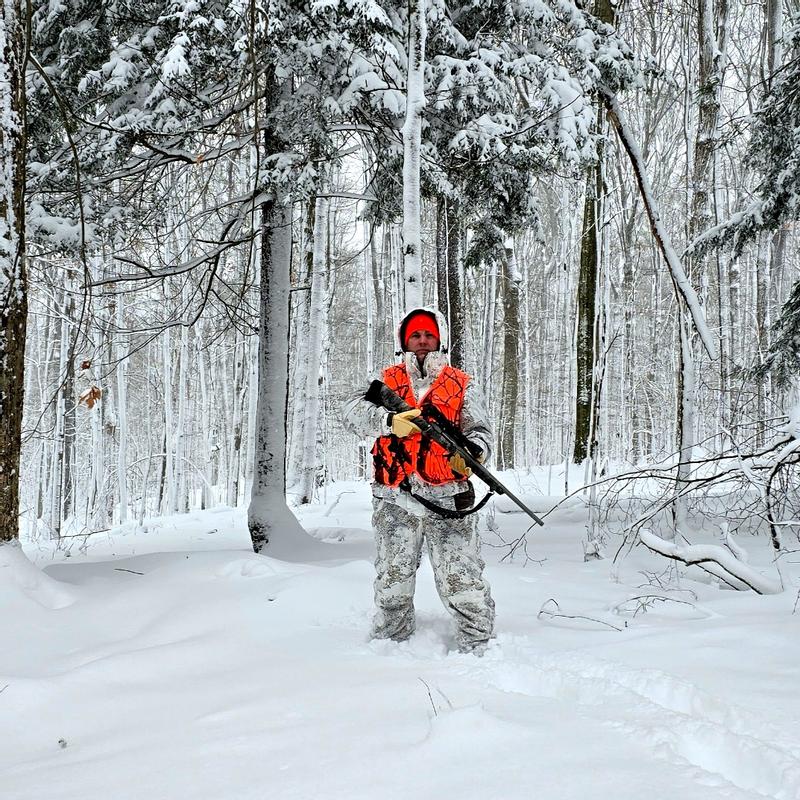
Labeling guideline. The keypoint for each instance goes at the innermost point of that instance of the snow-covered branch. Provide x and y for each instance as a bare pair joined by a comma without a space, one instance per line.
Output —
714,559
660,233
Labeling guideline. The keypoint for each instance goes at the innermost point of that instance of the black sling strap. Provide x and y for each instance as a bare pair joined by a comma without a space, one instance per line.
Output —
448,513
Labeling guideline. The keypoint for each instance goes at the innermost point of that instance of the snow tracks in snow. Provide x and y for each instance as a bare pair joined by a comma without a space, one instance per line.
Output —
677,720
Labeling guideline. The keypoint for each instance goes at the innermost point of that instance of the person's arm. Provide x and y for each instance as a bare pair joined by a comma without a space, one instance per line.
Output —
475,420
363,418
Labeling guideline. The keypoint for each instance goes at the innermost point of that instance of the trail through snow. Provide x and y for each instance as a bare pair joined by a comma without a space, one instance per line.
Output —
171,662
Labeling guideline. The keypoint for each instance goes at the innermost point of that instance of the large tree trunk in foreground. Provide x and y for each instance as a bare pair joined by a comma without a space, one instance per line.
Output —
268,515
13,278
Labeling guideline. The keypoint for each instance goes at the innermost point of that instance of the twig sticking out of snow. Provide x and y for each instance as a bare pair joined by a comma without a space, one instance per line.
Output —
336,502
430,697
551,610
642,603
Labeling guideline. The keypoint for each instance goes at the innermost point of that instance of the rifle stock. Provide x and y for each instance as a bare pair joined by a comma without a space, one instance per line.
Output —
381,395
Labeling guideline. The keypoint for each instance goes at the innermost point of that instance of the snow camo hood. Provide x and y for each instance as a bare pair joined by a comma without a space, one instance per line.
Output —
441,322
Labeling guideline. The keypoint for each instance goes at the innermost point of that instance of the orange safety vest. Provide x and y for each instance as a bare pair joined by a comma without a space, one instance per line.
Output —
395,458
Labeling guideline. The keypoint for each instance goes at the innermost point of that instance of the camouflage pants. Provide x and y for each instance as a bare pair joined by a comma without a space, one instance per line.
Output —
454,550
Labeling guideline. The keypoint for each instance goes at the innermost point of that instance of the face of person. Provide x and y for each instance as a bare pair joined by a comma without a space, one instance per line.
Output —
422,342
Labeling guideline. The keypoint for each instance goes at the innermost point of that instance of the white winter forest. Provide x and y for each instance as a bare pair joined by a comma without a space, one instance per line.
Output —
215,214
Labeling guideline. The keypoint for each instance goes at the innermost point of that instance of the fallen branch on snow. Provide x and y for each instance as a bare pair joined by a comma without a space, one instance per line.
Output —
551,610
714,559
642,603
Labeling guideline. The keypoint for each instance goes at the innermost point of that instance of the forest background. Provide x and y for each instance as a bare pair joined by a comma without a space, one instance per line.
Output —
214,214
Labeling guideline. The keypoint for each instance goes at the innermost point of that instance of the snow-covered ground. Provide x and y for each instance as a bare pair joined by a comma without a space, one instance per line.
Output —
171,662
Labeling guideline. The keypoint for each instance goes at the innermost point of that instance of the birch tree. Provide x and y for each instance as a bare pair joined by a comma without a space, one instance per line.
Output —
317,323
412,147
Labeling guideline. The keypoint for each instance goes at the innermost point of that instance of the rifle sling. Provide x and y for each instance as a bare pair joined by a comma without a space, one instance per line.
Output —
447,513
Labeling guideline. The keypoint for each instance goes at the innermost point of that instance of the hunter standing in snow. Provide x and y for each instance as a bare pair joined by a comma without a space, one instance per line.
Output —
413,476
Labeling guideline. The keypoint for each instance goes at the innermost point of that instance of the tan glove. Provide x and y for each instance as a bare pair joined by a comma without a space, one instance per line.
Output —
459,466
402,424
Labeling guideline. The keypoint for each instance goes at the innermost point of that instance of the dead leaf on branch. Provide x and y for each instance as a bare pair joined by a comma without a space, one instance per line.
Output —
91,396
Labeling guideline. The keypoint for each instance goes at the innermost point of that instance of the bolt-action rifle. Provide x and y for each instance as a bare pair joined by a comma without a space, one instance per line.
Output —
453,441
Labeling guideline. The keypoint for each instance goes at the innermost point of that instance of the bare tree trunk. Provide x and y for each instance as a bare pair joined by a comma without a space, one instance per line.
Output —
586,310
122,417
762,281
95,507
412,156
56,499
487,359
69,400
168,494
369,297
774,12
235,440
317,322
268,515
13,276
299,318
383,333
711,38
181,449
252,402
512,282
442,300
586,316
449,276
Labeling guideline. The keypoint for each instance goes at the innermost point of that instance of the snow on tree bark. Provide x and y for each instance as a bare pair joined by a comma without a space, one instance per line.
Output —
412,153
317,321
586,306
512,283
711,34
268,516
13,277
68,401
586,315
122,414
450,277
714,559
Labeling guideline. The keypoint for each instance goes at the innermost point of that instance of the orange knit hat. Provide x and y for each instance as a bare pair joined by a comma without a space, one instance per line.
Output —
420,321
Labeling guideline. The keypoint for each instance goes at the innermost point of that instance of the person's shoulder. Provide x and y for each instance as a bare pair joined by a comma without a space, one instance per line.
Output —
458,374
393,369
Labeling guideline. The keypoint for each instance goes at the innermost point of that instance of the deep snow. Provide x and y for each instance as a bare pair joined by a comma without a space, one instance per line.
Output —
171,662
